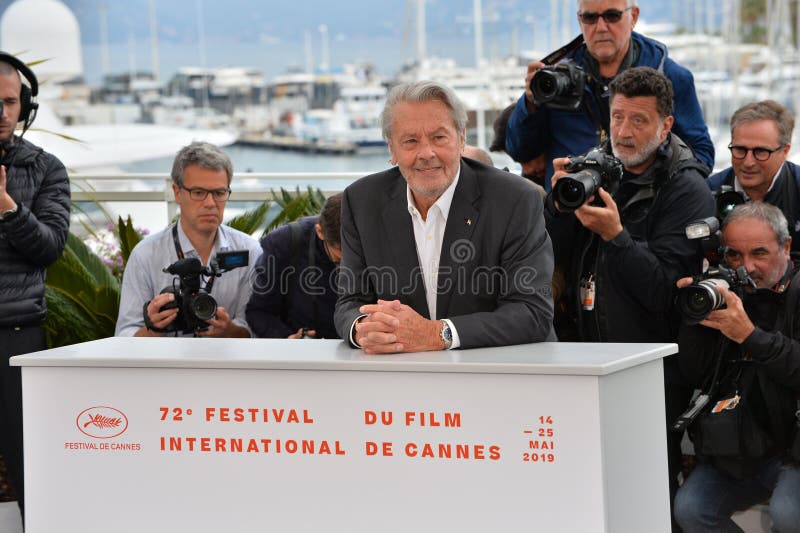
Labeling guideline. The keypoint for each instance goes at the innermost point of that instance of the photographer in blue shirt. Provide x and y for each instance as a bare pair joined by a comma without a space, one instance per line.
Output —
607,46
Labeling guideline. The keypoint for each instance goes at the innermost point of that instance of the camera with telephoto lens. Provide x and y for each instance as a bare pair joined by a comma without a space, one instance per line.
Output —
193,300
697,300
588,173
559,86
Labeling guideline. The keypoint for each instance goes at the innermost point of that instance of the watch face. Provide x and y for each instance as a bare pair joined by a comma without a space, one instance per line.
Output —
447,335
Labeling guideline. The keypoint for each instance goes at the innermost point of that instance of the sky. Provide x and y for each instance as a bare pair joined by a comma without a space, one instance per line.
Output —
270,34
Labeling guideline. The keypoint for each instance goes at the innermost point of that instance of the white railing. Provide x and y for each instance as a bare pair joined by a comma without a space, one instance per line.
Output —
156,188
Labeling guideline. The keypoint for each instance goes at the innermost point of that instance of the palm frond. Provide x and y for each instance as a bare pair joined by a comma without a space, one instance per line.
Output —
294,206
251,220
128,237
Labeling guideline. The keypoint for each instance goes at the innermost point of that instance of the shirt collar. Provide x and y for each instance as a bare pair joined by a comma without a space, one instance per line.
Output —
442,203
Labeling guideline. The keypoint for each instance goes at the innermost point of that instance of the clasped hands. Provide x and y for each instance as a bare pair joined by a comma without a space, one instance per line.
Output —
393,327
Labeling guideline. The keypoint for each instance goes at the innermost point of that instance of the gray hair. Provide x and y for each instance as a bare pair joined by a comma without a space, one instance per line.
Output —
631,3
766,110
204,155
766,213
423,91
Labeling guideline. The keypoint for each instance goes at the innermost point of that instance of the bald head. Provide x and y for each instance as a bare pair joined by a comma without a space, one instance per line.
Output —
478,154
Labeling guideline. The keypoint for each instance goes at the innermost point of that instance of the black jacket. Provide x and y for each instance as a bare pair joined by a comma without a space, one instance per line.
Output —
773,354
35,236
288,295
635,273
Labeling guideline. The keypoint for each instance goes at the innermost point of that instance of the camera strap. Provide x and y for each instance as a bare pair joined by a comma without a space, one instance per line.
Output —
179,251
557,55
176,241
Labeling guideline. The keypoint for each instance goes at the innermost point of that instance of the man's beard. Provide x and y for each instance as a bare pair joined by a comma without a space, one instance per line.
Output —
641,155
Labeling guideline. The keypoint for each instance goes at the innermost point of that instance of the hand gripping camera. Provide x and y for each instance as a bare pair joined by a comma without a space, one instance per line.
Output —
559,86
697,300
192,297
589,172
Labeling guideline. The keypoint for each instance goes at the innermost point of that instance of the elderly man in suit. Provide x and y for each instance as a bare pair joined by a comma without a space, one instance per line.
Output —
440,252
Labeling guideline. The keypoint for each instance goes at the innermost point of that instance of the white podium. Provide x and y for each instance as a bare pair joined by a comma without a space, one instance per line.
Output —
210,435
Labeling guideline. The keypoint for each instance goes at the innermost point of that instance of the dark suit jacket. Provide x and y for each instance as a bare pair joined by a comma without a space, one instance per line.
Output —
496,261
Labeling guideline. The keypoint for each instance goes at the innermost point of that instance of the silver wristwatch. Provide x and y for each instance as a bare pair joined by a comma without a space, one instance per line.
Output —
447,335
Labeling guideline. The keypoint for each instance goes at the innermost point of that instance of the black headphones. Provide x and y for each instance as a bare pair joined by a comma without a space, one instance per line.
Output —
27,97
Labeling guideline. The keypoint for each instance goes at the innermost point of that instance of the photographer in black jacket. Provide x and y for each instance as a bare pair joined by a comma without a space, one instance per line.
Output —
294,289
746,358
34,223
621,259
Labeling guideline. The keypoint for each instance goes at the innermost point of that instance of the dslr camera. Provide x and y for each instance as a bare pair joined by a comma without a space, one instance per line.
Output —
726,198
559,86
588,173
192,295
697,300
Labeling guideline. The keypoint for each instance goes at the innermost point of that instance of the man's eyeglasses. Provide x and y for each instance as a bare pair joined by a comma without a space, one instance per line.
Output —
611,16
759,153
198,194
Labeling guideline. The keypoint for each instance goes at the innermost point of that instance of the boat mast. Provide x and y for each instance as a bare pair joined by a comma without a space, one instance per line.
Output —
153,40
105,60
421,52
480,116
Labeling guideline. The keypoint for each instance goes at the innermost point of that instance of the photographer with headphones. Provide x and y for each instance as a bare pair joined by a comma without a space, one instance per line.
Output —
34,223
571,124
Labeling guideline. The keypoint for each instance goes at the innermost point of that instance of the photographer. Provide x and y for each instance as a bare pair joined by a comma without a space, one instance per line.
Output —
607,46
745,358
34,225
201,178
294,290
761,139
621,255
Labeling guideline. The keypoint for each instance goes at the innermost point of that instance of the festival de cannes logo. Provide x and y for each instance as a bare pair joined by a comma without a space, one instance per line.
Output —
101,422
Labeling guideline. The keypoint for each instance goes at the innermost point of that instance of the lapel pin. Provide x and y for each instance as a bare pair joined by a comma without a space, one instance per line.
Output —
469,221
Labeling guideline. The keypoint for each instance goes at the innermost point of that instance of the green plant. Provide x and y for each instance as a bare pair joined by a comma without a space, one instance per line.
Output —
294,206
82,297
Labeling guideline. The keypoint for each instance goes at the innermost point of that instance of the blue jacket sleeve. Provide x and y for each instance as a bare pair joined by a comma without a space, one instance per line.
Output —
689,122
525,132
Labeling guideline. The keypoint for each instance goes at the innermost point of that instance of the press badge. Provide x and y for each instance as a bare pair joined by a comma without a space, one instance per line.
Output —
727,403
587,293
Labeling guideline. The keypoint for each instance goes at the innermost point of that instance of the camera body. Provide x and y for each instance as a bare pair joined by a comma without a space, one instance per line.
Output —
193,300
726,198
559,86
588,173
697,300
194,303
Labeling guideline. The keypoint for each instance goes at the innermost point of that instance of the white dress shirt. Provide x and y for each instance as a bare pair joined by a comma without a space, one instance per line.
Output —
428,236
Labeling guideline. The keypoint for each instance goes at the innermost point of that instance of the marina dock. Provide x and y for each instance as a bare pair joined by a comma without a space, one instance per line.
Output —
296,144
